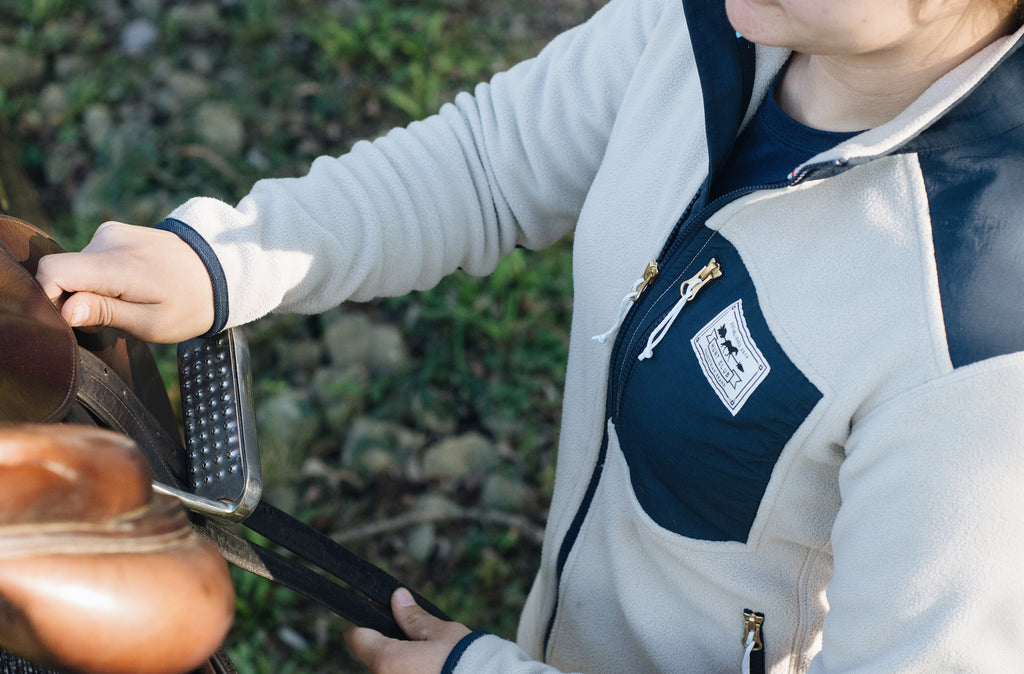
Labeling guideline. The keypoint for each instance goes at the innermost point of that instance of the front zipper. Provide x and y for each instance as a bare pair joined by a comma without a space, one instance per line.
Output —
753,643
627,347
682,234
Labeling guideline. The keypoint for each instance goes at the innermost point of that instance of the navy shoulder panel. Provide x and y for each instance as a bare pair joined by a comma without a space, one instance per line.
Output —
972,160
976,198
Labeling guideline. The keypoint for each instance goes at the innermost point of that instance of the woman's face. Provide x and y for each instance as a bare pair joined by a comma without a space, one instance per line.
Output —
833,27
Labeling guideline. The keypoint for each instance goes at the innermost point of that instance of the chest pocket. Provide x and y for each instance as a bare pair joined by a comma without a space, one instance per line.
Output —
702,422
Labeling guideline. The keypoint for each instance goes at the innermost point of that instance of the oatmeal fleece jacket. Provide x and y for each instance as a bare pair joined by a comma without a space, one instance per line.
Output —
823,429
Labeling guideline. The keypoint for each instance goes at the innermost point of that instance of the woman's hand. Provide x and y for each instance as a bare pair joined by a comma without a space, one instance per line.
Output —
144,281
432,640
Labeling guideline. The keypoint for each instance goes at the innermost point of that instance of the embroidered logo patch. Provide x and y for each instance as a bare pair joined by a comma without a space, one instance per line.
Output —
729,358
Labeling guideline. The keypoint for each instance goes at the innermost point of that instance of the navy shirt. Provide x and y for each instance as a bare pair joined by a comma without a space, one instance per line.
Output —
770,147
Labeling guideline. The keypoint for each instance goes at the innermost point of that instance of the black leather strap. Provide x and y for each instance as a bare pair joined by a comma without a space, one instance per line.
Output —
327,592
364,596
326,554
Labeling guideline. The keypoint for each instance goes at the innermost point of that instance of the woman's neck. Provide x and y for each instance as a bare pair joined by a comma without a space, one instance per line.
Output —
853,93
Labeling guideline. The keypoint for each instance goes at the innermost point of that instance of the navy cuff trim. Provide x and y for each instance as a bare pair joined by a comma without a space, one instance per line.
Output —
453,658
213,268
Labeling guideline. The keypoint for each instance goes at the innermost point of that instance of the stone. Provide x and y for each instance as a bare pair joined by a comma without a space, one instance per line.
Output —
97,123
468,455
285,425
220,126
377,447
151,9
108,11
186,88
148,209
139,36
54,102
387,349
63,162
70,66
19,68
299,354
503,493
196,20
348,340
338,392
420,542
433,411
352,338
434,504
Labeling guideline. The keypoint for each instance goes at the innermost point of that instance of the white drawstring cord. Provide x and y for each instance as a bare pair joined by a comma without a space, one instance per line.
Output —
659,332
623,310
750,649
688,290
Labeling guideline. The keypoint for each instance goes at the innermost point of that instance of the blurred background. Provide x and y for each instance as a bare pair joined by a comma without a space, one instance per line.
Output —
418,431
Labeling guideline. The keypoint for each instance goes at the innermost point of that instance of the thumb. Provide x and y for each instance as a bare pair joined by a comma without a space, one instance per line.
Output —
414,621
83,310
417,624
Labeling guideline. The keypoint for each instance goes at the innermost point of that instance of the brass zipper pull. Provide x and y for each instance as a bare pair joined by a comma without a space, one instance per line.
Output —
639,286
650,273
688,290
753,642
752,630
693,285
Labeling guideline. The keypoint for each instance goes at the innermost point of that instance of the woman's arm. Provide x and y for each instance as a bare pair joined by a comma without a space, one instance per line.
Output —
929,539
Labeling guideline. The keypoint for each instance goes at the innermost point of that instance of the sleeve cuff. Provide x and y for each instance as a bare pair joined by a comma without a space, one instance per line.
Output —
213,268
453,658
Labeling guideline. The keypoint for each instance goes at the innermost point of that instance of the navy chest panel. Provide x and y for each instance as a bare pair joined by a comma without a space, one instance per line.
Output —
702,422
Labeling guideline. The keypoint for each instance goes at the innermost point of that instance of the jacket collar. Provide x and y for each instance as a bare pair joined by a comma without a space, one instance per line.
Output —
981,97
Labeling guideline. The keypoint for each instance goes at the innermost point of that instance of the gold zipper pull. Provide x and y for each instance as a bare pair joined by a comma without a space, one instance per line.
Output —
688,290
650,273
693,285
752,629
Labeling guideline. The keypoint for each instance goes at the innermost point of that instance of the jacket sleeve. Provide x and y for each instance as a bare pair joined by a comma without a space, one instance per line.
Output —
509,165
929,539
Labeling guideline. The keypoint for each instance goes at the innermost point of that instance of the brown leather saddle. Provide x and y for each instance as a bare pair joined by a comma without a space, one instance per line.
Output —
39,354
56,379
89,554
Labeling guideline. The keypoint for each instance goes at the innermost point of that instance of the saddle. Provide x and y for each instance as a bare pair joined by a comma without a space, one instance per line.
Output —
97,572
85,427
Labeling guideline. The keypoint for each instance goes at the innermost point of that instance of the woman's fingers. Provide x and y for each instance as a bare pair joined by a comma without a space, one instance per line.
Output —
144,281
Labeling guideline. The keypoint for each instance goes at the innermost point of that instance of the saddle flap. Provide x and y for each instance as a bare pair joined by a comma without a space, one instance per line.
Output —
26,242
38,352
127,356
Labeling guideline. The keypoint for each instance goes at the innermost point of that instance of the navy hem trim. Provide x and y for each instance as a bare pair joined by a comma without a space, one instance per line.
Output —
213,268
453,658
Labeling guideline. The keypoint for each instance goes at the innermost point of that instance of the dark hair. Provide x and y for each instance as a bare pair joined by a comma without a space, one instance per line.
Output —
1013,8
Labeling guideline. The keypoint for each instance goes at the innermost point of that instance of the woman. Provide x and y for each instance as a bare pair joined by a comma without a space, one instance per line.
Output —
795,442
